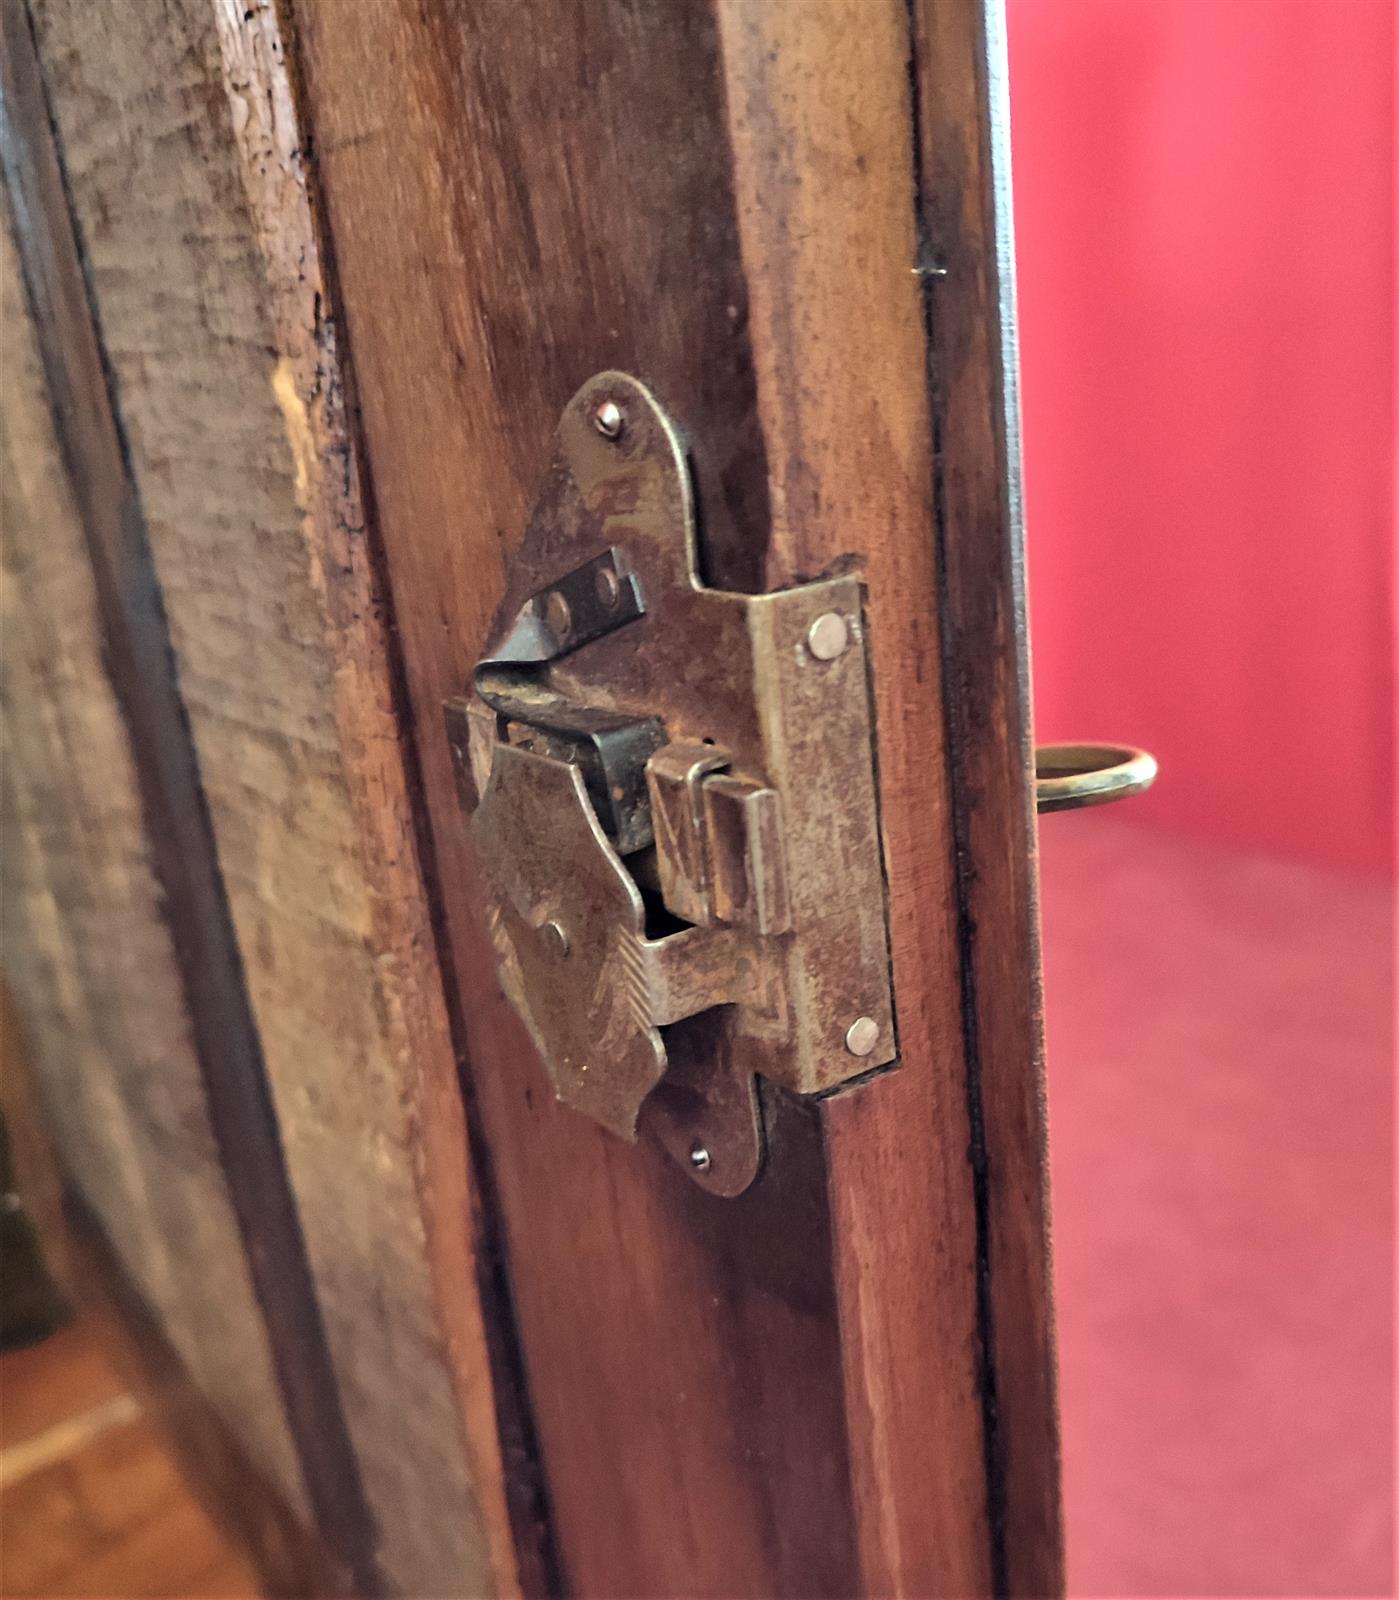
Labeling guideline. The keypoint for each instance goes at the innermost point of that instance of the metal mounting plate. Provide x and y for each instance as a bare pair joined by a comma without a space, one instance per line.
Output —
769,847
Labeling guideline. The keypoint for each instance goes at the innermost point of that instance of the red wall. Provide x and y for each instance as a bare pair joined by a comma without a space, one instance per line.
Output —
1204,208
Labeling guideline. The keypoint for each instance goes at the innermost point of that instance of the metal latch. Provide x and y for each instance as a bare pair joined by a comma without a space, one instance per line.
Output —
673,802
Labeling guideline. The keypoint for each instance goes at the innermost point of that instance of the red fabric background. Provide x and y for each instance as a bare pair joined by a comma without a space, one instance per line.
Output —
1204,204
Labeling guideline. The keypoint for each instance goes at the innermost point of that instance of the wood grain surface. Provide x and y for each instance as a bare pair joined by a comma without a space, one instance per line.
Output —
782,219
87,944
963,171
181,163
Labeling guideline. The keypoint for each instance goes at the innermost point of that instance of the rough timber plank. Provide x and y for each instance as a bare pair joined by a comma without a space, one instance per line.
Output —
86,942
135,650
182,163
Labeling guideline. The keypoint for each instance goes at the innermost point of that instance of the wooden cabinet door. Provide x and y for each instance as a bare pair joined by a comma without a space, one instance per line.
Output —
311,286
789,218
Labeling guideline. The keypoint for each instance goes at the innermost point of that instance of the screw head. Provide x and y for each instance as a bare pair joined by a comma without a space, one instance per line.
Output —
555,937
700,1158
828,636
608,420
861,1036
607,585
558,613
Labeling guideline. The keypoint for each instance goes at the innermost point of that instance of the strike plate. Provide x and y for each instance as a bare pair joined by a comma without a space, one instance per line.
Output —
673,802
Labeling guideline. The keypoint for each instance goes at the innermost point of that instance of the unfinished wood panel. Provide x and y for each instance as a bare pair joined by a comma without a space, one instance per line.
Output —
87,946
136,651
182,161
797,1391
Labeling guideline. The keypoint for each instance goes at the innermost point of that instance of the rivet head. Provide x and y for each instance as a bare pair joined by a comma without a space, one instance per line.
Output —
607,586
608,420
828,636
861,1036
555,937
558,613
700,1158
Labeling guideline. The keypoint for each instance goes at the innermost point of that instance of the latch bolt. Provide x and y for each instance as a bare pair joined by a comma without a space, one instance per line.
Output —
673,801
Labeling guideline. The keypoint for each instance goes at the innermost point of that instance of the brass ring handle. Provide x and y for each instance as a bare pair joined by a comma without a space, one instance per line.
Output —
1069,776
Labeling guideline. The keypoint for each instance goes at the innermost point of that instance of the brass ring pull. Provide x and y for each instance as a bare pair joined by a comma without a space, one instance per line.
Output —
1068,776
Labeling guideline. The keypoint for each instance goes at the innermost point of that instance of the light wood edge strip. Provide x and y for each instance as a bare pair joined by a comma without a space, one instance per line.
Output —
855,396
958,50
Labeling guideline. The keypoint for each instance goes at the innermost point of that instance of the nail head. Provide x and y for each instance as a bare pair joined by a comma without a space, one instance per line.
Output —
828,636
861,1036
608,420
558,613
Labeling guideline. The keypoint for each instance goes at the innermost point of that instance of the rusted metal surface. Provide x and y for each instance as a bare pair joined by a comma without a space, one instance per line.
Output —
677,816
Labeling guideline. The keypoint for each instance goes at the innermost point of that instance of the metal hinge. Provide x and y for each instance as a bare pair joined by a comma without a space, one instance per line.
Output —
673,802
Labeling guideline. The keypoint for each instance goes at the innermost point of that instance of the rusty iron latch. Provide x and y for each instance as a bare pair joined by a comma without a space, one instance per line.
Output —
672,798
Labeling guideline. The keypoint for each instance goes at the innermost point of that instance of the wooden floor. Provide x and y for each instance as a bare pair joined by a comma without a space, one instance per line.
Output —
91,1501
